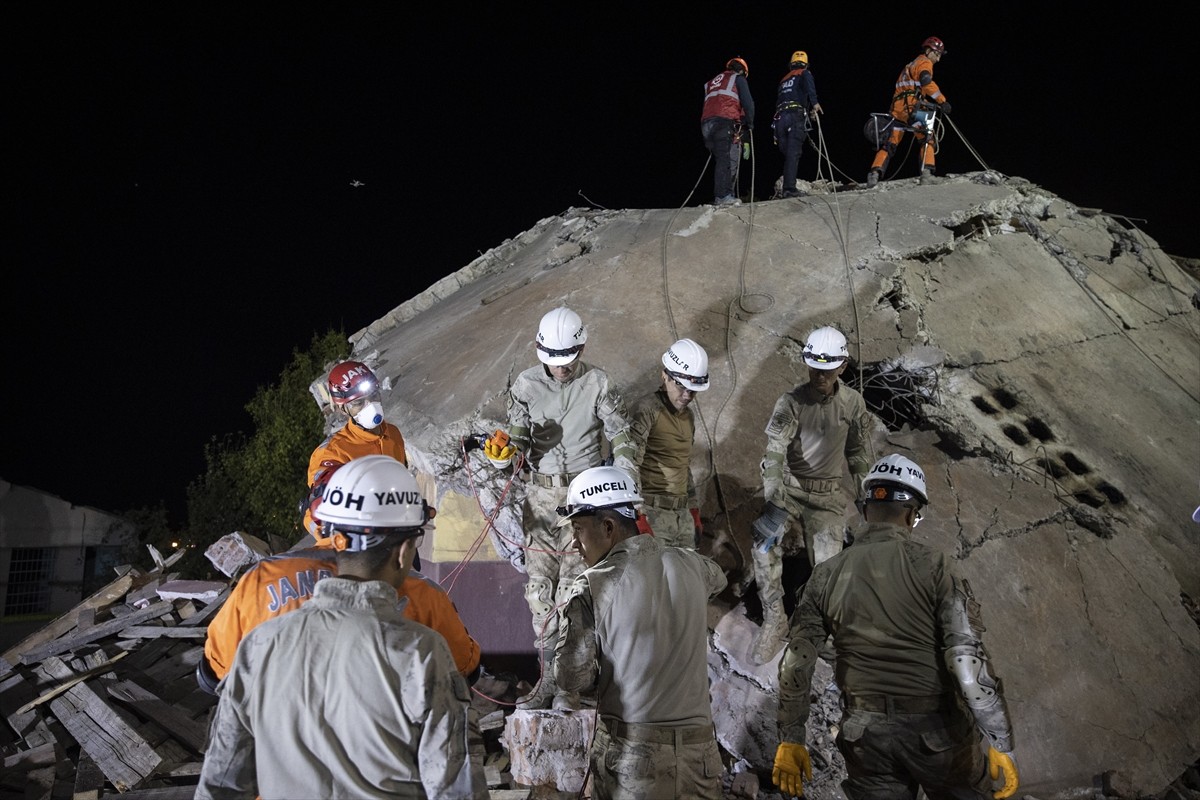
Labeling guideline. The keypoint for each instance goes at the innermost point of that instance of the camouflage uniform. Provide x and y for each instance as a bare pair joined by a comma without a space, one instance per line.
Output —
635,632
561,428
663,437
343,697
904,723
810,438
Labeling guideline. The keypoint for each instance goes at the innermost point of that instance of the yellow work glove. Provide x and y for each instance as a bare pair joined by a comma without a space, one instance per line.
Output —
998,764
792,764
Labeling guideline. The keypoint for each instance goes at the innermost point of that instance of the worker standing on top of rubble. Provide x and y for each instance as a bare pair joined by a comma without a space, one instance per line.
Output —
282,583
915,94
634,631
815,431
355,392
726,123
907,635
663,430
559,415
345,697
796,104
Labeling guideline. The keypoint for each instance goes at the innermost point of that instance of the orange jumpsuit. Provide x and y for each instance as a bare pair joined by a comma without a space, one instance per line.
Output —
909,91
284,582
350,442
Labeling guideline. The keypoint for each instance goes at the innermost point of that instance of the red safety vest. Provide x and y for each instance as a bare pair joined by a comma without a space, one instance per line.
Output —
721,97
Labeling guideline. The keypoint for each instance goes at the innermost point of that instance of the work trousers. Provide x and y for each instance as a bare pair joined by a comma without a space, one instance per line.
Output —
551,561
718,133
884,154
674,528
890,756
790,134
821,517
628,767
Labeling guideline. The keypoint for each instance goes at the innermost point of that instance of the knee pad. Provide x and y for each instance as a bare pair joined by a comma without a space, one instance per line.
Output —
539,594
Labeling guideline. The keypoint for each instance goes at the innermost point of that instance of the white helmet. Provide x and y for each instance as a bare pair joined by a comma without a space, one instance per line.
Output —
895,478
686,362
370,497
560,337
600,487
825,349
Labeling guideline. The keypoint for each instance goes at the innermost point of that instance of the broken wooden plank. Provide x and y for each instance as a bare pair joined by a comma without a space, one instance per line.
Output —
175,721
16,690
124,757
89,779
202,616
156,793
24,760
162,632
56,691
104,597
95,632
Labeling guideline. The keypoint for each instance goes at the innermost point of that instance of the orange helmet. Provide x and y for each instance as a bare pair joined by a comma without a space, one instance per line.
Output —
935,43
739,60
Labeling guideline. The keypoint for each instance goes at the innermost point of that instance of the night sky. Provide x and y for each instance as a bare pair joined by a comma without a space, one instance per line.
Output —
182,214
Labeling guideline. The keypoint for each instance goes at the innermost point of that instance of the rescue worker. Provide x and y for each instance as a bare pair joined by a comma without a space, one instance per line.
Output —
345,696
915,91
354,391
284,582
795,105
816,430
663,430
911,663
559,415
635,634
726,121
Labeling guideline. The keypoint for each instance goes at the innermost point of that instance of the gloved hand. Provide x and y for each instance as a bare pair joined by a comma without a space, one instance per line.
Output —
945,108
770,527
999,764
791,764
696,521
816,110
745,151
643,524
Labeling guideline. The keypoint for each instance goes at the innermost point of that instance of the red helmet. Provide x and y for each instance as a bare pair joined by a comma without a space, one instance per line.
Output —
351,380
739,60
935,43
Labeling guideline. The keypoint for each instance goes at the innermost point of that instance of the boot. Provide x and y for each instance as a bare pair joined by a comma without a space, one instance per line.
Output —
771,637
543,695
928,178
872,178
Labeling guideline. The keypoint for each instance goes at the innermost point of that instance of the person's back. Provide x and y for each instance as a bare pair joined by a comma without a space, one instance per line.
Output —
880,598
285,582
271,587
345,697
364,676
645,592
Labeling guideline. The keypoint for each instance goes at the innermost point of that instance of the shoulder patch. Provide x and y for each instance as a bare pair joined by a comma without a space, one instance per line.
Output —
778,422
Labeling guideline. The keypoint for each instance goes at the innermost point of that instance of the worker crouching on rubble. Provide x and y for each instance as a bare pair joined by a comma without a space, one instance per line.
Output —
345,697
633,632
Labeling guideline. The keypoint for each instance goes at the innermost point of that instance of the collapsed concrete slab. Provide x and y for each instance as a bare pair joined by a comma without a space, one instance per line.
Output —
1040,361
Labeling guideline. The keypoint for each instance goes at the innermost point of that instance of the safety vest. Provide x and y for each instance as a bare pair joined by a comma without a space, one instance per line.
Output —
792,92
721,97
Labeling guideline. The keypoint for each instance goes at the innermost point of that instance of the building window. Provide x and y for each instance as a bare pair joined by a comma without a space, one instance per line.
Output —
29,572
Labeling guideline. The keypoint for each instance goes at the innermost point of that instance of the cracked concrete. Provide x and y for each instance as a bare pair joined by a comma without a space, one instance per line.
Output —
1062,440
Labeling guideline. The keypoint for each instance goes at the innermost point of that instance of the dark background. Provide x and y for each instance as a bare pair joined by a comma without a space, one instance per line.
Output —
178,178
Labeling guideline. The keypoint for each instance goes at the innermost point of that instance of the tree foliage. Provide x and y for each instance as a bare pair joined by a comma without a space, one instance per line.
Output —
253,483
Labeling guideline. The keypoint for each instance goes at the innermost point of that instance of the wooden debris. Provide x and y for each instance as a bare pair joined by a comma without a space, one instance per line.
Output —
103,701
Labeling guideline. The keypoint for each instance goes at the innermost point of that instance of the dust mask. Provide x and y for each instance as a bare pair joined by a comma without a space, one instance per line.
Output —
370,415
